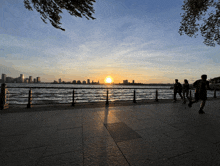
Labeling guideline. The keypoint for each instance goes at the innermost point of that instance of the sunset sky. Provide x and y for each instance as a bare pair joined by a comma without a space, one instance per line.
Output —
130,39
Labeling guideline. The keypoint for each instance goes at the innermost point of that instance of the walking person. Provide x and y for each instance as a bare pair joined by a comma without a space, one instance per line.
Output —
177,89
185,91
201,86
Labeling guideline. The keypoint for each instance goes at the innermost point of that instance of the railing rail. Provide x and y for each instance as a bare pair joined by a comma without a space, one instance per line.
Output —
71,95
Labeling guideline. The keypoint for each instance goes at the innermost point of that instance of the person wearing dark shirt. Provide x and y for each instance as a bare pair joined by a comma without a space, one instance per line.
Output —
185,91
201,92
177,89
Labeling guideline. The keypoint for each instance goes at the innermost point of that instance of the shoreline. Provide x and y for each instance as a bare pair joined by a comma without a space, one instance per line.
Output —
54,107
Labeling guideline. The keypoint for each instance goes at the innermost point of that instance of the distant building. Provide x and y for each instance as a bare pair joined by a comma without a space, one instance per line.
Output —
78,82
215,80
74,81
125,82
35,80
21,78
88,81
9,79
3,78
38,79
55,82
30,79
133,81
60,81
26,80
84,82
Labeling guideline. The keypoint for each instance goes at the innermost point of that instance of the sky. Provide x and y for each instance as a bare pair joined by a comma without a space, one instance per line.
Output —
129,40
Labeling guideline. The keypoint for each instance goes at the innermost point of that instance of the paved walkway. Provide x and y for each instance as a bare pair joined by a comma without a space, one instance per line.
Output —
153,134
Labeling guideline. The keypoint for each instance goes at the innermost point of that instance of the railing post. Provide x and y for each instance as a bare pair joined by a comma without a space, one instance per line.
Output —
107,98
156,99
73,104
3,94
215,93
29,105
134,99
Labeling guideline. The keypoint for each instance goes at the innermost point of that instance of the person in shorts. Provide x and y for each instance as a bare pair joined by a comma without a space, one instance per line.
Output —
185,91
201,92
177,89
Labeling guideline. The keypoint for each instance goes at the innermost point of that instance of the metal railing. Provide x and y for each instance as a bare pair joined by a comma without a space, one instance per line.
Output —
63,95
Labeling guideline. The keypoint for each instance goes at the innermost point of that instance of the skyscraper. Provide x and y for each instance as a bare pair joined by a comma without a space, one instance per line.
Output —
38,79
60,80
22,78
30,79
3,78
88,81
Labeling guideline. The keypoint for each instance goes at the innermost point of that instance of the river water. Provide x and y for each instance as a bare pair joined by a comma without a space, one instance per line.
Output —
50,95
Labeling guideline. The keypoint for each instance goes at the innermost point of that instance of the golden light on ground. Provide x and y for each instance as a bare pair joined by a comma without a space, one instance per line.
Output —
108,80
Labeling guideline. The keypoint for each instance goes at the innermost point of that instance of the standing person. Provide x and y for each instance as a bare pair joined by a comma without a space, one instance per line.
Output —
200,93
177,89
185,91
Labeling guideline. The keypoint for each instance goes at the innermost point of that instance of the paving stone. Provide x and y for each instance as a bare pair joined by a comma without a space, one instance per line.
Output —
103,141
22,157
137,151
94,131
60,149
121,132
109,155
69,158
8,142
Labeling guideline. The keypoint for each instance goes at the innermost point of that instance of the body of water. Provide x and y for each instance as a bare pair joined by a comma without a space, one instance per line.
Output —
52,94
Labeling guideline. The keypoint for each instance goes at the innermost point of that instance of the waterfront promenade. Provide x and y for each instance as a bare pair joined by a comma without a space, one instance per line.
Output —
161,133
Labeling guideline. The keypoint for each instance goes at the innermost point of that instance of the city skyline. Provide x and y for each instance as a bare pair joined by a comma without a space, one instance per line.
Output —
128,40
21,79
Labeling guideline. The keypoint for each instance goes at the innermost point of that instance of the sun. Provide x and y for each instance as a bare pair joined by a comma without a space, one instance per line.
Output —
108,79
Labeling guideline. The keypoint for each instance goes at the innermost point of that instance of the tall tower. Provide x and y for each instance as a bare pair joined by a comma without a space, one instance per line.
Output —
30,79
88,81
4,78
22,78
38,79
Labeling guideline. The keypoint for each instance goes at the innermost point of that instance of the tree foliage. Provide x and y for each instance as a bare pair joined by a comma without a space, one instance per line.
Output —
51,9
203,16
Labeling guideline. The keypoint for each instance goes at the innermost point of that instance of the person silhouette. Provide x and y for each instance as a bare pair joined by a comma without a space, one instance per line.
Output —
201,86
185,91
177,89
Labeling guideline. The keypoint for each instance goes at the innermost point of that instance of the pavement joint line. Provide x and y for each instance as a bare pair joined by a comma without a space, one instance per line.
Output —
68,128
118,146
60,153
180,154
17,150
